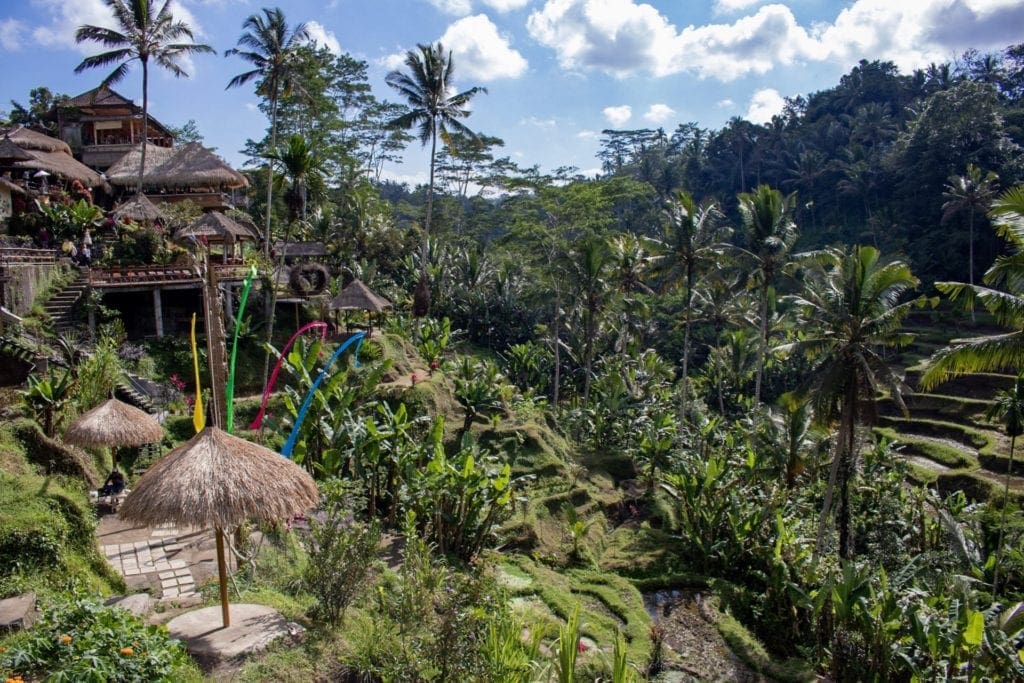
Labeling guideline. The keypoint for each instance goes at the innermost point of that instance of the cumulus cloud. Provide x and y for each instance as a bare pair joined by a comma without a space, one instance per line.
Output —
396,60
725,104
659,113
457,7
319,35
506,5
764,104
11,31
480,52
618,116
730,6
63,19
587,135
626,37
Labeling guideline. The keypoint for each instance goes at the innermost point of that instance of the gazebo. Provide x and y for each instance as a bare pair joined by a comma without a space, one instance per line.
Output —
217,228
139,209
358,297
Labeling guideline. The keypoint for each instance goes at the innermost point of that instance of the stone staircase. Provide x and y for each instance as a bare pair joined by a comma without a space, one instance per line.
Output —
62,306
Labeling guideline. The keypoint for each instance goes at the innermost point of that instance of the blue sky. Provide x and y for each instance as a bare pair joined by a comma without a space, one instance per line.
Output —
557,71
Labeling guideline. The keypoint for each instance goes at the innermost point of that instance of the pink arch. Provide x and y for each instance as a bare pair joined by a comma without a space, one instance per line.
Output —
256,423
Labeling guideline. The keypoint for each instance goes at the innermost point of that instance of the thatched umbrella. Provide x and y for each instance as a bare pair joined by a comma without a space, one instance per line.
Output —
115,424
215,479
9,151
139,209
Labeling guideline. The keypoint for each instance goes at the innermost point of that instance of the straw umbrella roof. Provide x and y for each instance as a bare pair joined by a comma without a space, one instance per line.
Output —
216,479
216,225
28,139
9,151
359,297
114,423
125,171
140,209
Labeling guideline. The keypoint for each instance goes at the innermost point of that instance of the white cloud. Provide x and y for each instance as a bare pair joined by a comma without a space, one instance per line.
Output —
11,31
64,18
537,122
480,52
457,7
659,113
764,104
322,37
618,116
725,104
395,60
252,106
587,135
506,5
627,37
729,6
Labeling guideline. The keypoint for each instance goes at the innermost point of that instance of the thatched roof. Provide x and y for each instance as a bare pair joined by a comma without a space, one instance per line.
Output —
139,209
102,96
125,171
166,167
215,479
217,226
359,297
114,423
9,151
29,139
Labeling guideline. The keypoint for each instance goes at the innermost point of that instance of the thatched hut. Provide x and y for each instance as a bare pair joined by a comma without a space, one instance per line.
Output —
219,480
358,297
50,155
139,209
125,171
216,228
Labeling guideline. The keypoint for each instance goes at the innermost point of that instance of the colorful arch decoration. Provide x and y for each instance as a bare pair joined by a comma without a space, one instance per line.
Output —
258,420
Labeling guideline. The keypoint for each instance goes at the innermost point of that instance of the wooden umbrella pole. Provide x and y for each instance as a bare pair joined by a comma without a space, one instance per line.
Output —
222,572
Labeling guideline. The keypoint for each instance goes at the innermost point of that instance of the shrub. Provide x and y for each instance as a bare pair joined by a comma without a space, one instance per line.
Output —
78,639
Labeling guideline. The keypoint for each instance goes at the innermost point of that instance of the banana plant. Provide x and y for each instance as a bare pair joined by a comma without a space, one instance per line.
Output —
45,397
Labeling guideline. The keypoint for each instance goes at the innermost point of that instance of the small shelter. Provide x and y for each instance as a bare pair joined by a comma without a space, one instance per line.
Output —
115,424
139,209
217,228
176,174
46,154
219,480
358,297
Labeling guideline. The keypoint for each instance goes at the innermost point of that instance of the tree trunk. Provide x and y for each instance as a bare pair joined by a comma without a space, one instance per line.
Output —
557,346
1002,521
423,288
684,389
970,258
270,300
589,351
763,342
145,122
845,443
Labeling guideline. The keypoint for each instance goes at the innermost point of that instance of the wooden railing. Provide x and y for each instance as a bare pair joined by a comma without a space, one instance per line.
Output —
174,274
26,255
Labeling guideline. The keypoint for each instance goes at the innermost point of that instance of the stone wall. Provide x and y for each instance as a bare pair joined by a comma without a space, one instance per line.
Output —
22,283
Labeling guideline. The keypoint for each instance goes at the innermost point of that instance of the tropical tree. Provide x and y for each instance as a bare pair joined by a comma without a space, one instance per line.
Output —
304,169
272,51
692,236
589,263
1009,408
433,110
970,193
990,353
851,310
771,234
141,35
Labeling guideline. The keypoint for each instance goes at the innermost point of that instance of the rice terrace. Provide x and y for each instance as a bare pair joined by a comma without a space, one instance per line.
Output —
512,340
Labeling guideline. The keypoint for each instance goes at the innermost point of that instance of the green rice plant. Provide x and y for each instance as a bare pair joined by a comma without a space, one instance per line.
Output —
568,647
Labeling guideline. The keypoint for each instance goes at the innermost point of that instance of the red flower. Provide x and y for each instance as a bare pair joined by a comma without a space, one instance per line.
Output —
582,647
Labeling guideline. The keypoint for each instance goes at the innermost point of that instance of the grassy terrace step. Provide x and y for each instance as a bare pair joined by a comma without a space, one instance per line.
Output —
968,436
980,385
936,451
936,406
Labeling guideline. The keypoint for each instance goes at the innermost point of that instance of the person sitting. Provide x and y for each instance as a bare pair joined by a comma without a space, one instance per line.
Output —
113,485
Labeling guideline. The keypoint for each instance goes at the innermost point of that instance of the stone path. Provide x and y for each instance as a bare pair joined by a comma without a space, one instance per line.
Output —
162,554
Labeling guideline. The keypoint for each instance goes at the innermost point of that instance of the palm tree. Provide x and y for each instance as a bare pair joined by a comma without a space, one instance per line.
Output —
990,353
970,193
1008,407
850,304
630,259
142,36
771,234
304,169
269,47
692,237
433,109
589,264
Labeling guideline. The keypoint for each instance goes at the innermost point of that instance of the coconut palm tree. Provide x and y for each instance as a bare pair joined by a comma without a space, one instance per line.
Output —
270,48
589,264
141,35
771,234
970,193
433,110
692,237
304,170
1009,408
1003,298
851,309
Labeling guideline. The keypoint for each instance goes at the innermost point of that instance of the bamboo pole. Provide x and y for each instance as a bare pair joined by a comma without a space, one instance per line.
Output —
222,572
